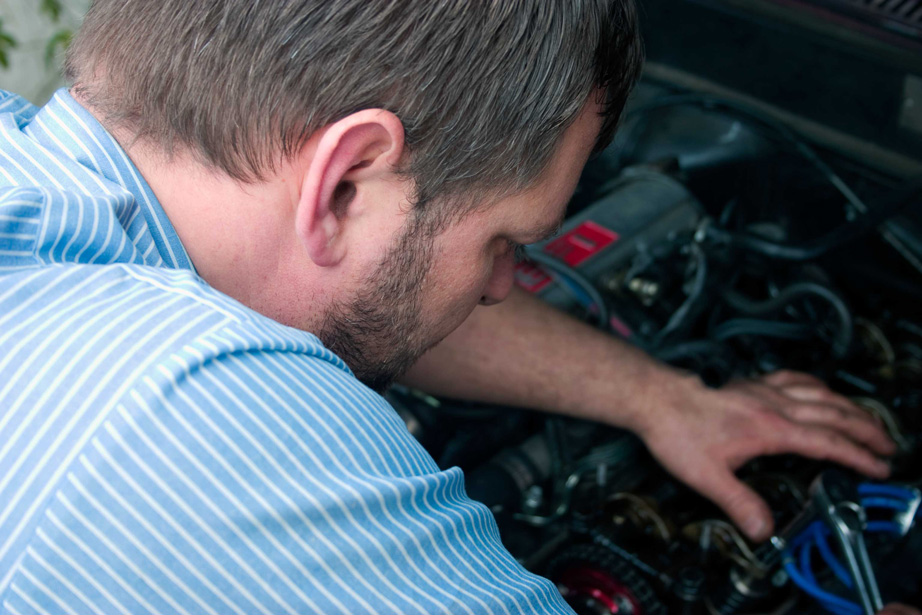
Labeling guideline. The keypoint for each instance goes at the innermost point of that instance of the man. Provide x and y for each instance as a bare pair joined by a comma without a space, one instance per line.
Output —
227,179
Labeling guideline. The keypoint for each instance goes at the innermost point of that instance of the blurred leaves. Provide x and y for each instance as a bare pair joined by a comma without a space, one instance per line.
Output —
7,42
52,8
59,40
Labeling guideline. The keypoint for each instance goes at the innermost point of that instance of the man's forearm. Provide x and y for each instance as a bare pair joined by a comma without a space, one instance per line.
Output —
523,352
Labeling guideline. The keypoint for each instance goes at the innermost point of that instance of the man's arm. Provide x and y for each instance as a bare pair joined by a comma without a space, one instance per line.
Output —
523,352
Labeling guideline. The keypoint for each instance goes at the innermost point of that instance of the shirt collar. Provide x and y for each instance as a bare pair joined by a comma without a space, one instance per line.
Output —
79,136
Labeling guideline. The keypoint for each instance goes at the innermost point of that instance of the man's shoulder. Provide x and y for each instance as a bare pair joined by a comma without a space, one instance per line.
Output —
16,107
109,306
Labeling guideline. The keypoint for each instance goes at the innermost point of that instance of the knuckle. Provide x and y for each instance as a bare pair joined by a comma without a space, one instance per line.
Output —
836,441
818,411
839,412
827,443
798,412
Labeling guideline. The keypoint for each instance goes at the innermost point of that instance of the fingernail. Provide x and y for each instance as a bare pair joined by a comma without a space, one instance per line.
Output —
754,527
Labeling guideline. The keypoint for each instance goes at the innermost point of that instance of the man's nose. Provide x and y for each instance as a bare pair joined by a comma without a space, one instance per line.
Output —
500,282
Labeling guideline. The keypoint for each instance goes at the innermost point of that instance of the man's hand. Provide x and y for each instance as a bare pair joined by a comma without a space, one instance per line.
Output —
525,353
703,435
899,609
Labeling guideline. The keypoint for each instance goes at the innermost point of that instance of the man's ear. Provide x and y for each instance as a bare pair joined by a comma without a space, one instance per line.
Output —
350,154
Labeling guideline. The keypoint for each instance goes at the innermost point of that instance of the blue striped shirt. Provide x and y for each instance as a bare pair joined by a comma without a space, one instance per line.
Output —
165,449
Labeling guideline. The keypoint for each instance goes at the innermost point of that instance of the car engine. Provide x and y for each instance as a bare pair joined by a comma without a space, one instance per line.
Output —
720,241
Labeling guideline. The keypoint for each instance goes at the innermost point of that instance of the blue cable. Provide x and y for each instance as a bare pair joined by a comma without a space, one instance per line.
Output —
879,502
873,496
806,569
829,557
884,526
848,607
817,531
805,535
902,493
578,293
836,610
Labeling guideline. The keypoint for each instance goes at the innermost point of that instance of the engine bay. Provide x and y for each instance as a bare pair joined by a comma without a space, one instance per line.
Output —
718,240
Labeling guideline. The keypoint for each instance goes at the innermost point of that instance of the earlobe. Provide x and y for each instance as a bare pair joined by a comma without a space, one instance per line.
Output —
348,157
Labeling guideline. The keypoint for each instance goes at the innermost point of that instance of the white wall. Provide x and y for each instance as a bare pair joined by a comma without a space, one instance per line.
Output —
28,74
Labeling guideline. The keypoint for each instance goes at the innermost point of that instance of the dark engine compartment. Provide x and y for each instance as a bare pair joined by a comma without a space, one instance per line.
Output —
720,241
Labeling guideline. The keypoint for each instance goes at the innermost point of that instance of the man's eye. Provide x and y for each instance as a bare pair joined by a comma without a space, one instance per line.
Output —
518,252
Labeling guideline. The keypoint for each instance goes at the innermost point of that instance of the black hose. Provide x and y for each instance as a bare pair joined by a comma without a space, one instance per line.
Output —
791,293
762,328
869,218
691,349
803,148
908,194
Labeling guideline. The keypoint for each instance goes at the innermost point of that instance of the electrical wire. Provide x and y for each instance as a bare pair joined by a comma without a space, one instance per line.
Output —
879,502
819,535
549,262
680,316
574,290
893,491
814,590
806,569
887,497
806,565
884,526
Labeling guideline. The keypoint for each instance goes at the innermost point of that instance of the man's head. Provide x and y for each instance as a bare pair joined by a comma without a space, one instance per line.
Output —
431,278
369,128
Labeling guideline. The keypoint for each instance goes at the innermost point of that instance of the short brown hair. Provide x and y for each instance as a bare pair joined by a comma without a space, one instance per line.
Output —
484,88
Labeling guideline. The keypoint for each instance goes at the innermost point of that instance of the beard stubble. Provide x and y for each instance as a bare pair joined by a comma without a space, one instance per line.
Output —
380,333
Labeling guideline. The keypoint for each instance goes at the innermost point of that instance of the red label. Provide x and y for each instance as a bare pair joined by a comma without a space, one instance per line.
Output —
530,277
579,244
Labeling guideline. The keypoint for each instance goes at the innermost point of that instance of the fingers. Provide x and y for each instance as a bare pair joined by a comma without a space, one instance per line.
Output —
818,394
899,609
858,425
740,503
828,444
830,410
784,378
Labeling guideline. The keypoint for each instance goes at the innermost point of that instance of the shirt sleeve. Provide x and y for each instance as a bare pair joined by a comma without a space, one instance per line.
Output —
265,481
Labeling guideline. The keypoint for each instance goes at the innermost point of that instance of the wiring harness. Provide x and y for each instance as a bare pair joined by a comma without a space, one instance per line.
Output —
798,557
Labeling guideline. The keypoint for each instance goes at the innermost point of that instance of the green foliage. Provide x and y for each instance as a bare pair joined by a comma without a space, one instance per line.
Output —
52,8
7,42
59,40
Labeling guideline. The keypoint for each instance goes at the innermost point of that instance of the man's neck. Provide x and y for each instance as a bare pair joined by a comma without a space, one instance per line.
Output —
239,236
